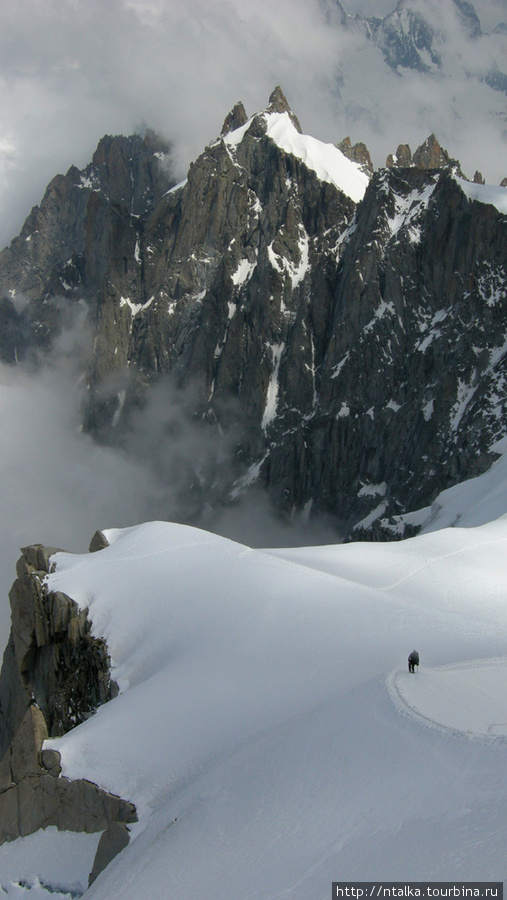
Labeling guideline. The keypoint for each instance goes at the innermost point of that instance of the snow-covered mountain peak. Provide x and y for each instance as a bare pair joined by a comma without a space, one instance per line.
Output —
279,123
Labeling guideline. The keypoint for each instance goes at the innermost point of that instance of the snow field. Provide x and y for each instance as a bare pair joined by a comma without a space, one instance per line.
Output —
50,858
256,733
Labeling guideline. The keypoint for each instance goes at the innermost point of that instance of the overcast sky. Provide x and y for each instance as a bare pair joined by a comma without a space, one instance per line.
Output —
71,71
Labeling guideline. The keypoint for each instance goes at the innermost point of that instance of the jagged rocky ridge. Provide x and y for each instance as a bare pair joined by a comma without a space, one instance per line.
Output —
55,674
348,332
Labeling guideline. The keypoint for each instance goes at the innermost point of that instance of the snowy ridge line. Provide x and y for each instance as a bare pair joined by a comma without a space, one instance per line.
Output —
459,551
327,161
279,554
484,193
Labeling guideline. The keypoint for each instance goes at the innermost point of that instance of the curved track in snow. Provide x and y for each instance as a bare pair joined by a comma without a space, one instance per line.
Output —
468,698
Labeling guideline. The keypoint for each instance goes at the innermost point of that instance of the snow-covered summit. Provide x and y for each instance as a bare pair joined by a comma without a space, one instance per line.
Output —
326,160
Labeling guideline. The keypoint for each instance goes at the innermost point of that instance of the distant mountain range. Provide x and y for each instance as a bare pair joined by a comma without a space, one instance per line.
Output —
333,336
431,65
414,35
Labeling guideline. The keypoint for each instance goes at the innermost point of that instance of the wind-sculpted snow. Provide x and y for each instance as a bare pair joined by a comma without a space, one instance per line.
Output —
255,723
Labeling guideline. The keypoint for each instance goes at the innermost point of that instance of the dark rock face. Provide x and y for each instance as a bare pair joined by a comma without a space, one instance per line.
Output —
87,224
497,80
353,353
407,40
358,153
278,104
235,119
419,308
430,155
12,333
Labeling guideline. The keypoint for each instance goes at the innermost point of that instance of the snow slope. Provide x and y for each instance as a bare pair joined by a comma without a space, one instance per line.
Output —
470,503
266,729
485,193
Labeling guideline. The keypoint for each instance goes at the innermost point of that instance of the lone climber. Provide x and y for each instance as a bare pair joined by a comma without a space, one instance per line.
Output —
413,660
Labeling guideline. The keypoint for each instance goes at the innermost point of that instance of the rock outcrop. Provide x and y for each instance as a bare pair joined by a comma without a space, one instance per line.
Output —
34,795
430,155
402,157
278,103
52,660
235,119
54,675
358,153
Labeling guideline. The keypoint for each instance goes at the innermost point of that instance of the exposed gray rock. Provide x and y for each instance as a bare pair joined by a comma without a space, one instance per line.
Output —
33,796
41,801
62,254
431,155
98,542
409,36
497,80
112,842
51,659
278,104
329,342
235,119
358,153
402,157
50,760
13,337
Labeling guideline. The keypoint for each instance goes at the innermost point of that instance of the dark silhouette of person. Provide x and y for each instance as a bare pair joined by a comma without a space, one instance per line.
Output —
413,660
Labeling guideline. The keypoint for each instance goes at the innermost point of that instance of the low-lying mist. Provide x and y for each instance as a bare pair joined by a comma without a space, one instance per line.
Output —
58,485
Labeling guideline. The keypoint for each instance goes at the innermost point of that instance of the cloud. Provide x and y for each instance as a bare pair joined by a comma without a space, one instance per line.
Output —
57,486
70,72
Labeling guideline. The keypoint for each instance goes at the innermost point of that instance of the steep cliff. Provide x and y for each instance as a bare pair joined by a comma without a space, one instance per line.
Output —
347,332
86,226
55,674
